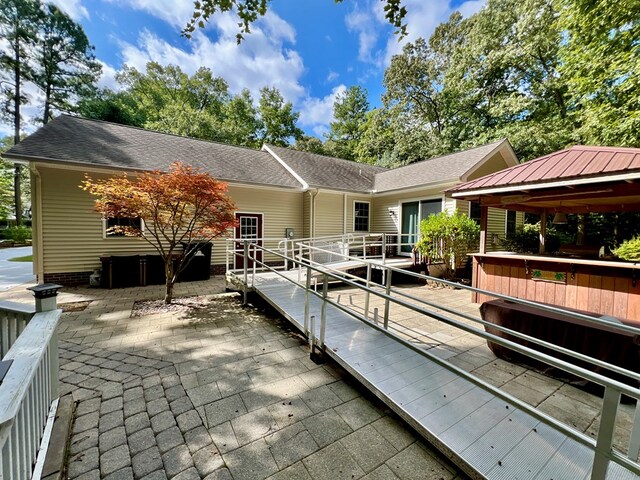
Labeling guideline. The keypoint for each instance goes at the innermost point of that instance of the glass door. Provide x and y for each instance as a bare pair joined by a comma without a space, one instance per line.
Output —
409,225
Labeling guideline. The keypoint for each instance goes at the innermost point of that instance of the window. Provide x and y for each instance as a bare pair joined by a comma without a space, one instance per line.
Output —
361,217
115,227
475,212
511,222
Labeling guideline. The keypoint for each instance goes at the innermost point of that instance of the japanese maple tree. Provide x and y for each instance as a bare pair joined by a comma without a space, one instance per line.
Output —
179,206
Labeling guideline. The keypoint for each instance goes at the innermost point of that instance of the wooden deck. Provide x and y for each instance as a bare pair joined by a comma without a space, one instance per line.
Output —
483,435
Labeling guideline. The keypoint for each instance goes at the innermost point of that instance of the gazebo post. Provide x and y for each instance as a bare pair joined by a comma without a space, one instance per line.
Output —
484,214
543,230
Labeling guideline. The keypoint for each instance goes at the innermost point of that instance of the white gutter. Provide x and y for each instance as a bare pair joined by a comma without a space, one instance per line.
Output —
537,186
305,185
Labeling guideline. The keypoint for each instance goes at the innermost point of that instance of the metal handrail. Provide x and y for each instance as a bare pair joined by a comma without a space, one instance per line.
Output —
613,388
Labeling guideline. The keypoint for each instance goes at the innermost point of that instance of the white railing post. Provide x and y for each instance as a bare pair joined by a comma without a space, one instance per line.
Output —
255,263
226,256
384,248
312,332
364,247
634,441
286,254
375,315
299,262
606,428
386,300
366,294
323,311
306,301
245,265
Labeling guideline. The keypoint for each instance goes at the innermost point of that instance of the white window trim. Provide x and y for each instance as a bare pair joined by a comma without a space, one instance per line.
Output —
113,237
236,214
368,217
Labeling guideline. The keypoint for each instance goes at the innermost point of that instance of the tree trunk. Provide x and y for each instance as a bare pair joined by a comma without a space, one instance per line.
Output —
47,106
17,194
168,271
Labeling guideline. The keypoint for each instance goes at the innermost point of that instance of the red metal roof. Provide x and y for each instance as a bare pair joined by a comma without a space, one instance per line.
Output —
573,163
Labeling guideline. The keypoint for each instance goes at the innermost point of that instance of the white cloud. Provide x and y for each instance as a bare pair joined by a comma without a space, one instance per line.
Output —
317,113
259,61
174,12
108,77
363,22
332,76
423,16
73,8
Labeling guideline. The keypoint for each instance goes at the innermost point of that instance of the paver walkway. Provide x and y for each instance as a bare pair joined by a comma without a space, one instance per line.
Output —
218,393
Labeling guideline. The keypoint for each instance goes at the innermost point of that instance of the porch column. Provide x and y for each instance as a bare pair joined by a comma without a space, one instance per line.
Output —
484,213
543,230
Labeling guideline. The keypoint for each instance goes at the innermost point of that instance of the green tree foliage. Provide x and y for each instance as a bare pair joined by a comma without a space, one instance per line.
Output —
19,21
310,144
601,68
447,238
7,184
349,113
248,11
241,123
65,68
277,118
165,98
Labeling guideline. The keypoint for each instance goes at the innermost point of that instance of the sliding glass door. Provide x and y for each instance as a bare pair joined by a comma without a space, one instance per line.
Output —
412,214
409,225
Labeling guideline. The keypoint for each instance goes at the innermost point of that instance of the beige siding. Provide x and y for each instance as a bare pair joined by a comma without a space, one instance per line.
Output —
493,164
496,226
328,214
73,232
385,223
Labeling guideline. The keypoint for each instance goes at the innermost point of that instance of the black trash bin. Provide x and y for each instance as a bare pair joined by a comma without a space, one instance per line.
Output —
199,268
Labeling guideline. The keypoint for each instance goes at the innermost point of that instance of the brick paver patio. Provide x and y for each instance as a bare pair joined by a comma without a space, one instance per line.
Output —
218,393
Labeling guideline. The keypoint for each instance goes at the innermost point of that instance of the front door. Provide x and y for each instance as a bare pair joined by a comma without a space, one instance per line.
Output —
249,227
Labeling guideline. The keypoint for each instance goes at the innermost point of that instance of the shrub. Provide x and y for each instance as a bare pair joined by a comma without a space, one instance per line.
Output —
629,250
448,238
18,234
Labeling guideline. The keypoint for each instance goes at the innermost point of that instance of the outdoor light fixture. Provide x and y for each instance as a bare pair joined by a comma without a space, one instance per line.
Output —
559,218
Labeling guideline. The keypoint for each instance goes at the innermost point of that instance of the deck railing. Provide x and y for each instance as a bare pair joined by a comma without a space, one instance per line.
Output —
29,387
604,453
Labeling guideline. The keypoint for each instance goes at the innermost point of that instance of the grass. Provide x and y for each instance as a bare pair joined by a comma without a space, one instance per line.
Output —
26,258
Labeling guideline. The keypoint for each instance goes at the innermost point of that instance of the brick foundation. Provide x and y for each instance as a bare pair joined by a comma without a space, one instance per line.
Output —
70,279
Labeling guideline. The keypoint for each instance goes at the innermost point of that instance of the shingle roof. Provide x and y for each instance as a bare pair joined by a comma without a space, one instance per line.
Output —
77,140
440,169
329,172
572,163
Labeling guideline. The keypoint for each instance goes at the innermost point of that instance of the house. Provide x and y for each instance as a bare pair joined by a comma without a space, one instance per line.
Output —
274,188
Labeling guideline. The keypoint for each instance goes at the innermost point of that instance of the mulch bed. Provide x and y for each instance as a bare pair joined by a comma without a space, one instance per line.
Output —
179,305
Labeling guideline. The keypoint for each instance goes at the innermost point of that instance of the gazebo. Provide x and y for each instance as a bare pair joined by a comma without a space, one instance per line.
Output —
580,180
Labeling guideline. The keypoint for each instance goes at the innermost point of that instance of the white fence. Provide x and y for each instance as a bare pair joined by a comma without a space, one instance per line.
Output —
28,340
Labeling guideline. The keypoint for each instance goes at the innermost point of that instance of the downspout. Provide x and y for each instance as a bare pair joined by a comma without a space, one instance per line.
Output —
312,206
36,213
344,215
313,211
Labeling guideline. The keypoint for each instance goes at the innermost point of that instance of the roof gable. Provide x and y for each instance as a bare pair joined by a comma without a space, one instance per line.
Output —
333,173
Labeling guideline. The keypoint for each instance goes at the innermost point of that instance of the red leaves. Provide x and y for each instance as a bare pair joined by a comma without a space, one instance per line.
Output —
182,204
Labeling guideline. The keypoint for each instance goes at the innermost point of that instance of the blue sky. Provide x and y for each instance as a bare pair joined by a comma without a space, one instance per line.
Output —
309,49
